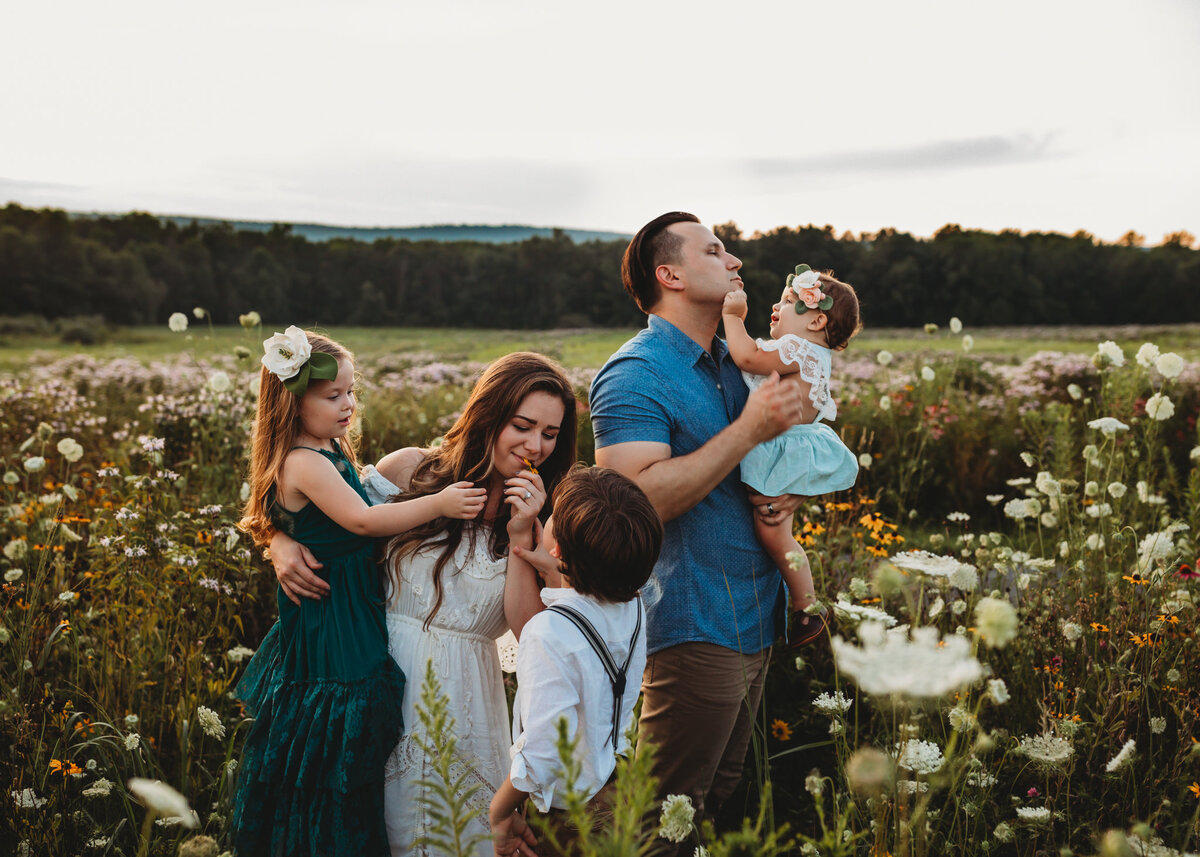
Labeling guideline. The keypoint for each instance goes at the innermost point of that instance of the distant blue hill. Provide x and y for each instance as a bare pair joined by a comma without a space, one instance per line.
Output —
441,232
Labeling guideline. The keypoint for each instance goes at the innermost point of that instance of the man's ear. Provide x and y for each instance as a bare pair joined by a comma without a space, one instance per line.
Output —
668,278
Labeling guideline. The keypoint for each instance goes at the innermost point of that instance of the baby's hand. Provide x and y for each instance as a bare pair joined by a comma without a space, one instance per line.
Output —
735,304
462,500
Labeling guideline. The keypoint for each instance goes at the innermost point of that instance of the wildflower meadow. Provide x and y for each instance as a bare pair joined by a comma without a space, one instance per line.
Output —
1014,578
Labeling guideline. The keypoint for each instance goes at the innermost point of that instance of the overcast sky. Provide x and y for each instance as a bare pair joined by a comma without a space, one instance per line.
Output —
1029,114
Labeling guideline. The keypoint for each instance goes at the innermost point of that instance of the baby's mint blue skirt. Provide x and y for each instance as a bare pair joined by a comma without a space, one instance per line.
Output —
806,459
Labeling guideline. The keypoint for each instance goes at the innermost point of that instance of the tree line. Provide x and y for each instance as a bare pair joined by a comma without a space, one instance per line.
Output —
138,269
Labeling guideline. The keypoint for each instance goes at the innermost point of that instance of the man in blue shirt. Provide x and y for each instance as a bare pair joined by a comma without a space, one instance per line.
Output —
670,411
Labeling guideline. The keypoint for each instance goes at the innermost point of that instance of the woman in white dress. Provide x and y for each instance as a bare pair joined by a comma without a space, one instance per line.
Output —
448,600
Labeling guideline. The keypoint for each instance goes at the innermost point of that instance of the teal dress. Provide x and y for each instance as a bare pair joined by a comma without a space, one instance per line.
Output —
326,697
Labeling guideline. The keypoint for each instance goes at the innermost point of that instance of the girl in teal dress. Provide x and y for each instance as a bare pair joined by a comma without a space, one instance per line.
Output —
324,692
815,316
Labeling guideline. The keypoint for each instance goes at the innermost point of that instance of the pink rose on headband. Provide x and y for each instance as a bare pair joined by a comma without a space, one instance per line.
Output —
811,296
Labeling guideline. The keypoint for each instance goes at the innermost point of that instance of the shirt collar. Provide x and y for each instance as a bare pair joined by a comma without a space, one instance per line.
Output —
683,344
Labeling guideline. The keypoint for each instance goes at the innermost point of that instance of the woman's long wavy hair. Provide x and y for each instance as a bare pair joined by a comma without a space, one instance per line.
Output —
276,423
466,455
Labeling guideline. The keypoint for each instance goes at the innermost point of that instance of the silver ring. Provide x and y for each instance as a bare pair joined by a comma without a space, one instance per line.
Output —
528,493
770,508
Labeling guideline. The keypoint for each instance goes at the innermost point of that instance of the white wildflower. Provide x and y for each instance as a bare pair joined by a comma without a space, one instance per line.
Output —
955,325
1159,407
920,757
1158,725
929,564
16,550
1116,490
1108,425
675,822
163,800
814,784
855,613
1047,484
1027,458
210,722
70,449
865,460
884,357
892,664
28,799
910,787
238,654
960,719
219,382
100,788
1123,757
834,703
1072,631
132,741
968,342
927,373
1075,391
885,403
994,498
67,595
1098,510
34,464
1003,832
1094,542
1033,814
996,621
1111,353
178,322
1049,520
1049,752
1146,355
1169,365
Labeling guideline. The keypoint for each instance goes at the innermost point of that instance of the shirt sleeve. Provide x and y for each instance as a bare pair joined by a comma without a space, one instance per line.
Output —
629,404
548,694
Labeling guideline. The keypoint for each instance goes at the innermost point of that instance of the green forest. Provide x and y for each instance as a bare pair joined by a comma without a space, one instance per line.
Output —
139,268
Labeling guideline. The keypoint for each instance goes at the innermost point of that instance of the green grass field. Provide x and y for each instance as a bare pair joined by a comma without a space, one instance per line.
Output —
586,347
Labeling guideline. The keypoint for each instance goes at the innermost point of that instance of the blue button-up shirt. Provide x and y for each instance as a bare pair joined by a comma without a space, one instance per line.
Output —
713,582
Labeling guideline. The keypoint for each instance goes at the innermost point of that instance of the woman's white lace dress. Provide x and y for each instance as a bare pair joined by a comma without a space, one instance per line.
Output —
461,642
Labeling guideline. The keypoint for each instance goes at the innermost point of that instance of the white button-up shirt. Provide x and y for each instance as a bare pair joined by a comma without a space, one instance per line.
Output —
560,675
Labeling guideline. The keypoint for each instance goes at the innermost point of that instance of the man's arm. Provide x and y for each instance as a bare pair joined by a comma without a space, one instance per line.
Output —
676,484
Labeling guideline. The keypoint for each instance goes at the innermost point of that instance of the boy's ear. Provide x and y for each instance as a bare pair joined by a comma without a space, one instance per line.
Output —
555,552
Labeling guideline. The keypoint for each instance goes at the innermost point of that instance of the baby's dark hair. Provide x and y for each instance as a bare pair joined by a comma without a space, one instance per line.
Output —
844,321
608,533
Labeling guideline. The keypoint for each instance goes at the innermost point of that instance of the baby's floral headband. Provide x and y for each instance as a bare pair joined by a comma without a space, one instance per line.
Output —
806,284
289,358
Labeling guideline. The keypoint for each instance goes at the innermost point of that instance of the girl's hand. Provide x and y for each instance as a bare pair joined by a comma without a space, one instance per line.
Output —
462,500
735,304
525,494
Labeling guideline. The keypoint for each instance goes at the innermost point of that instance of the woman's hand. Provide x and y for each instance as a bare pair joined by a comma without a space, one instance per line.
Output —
462,500
294,565
525,494
735,304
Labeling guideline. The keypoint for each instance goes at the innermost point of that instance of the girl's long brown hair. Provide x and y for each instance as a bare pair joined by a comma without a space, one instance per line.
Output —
276,422
466,455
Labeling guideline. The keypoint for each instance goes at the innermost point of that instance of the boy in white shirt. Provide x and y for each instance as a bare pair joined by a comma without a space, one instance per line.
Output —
582,657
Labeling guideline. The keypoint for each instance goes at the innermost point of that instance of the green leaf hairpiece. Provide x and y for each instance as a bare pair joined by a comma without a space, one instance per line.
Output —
319,367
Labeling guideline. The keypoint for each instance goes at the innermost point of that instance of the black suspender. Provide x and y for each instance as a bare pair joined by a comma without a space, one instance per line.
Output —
615,675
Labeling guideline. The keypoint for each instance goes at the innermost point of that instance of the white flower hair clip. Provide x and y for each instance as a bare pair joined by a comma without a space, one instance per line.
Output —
288,356
806,284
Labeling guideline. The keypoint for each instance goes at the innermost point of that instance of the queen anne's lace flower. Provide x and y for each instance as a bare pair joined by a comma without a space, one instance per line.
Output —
100,788
178,322
70,449
1033,814
164,800
1047,751
996,621
931,565
210,722
861,613
675,822
832,703
920,757
1146,355
1159,407
1108,425
1169,365
893,665
1112,353
1123,758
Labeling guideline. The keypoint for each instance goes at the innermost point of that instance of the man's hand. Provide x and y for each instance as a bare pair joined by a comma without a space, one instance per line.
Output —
294,564
772,409
735,304
773,511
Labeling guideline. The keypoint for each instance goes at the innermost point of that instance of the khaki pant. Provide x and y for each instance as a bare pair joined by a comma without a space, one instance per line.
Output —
698,708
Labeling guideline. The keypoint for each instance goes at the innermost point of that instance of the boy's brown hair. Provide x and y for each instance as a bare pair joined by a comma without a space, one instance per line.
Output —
608,533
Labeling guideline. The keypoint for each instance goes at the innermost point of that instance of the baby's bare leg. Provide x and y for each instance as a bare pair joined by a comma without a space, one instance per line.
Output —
779,542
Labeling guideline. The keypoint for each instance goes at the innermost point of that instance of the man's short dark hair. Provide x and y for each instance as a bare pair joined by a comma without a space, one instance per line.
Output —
608,533
653,245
